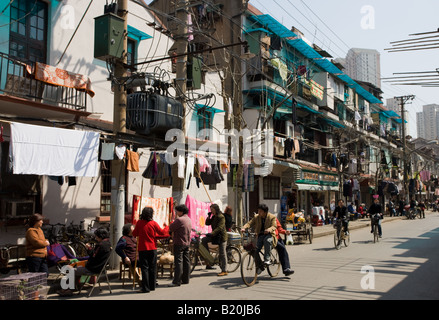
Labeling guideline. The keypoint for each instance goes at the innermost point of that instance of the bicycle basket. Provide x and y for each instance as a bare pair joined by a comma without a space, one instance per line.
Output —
249,242
337,223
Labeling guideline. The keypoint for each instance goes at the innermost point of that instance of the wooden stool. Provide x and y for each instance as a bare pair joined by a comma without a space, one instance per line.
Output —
162,268
123,269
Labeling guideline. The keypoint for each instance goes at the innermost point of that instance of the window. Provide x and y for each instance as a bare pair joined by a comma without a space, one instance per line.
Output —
205,122
106,187
271,187
131,52
28,33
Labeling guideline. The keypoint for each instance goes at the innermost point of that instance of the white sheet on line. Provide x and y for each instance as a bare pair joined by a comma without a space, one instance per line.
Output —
53,151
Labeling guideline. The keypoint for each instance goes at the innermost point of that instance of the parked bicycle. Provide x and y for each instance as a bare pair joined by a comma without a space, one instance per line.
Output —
59,233
252,261
340,235
198,254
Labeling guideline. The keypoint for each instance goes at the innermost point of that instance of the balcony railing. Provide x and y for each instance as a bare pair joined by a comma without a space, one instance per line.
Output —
17,79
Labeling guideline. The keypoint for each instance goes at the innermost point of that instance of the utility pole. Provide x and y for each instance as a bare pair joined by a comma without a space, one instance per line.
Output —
119,125
403,101
181,38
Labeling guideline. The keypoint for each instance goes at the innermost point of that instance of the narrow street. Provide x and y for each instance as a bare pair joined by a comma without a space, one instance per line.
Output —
404,265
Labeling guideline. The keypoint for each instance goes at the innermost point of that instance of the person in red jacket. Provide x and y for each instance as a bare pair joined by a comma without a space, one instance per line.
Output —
148,232
282,250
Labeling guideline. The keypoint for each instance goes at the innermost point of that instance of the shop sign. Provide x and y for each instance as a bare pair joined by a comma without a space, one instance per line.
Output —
317,90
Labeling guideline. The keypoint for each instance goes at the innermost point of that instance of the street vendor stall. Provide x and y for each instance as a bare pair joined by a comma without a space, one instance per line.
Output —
299,226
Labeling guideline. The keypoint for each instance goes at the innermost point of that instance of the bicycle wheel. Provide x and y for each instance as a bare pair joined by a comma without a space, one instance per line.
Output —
337,240
233,259
248,269
274,268
375,234
193,258
80,249
347,239
70,249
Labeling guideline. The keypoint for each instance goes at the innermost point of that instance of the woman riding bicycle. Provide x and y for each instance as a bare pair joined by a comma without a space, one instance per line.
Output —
264,224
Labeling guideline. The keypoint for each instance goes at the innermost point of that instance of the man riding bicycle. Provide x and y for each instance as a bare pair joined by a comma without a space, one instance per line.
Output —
341,212
264,224
376,208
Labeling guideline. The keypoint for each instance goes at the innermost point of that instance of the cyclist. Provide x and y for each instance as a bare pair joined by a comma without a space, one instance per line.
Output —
264,224
376,208
341,212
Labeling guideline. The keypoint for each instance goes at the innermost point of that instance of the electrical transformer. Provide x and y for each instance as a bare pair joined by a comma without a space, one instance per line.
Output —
151,113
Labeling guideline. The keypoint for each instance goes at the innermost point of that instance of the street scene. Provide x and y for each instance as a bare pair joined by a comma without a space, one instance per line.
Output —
218,150
403,263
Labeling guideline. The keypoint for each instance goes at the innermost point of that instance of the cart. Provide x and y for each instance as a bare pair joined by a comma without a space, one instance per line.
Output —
301,231
12,257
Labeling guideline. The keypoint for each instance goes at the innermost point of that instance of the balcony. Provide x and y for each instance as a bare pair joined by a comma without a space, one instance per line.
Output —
39,85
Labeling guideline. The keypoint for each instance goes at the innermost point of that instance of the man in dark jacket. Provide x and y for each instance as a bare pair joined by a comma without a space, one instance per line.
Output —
376,208
341,212
218,235
181,236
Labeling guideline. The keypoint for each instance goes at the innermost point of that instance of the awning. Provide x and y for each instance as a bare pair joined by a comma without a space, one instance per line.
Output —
137,34
333,123
315,187
278,97
207,108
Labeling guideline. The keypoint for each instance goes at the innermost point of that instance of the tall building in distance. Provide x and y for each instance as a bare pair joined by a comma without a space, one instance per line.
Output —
364,65
427,122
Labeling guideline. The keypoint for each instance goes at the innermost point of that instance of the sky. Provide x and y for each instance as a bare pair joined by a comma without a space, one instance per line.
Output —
338,25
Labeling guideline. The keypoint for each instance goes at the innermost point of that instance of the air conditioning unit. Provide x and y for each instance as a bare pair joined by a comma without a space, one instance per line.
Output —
19,208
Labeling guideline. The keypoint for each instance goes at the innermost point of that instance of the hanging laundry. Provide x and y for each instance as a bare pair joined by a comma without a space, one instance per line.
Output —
189,169
203,164
158,170
180,166
214,176
288,147
40,150
107,151
225,169
163,209
198,211
120,151
248,178
132,161
282,67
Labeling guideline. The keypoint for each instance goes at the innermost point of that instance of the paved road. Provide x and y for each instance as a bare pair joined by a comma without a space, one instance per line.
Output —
403,265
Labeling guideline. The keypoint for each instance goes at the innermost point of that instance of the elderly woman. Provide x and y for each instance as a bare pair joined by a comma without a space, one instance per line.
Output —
148,232
36,245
